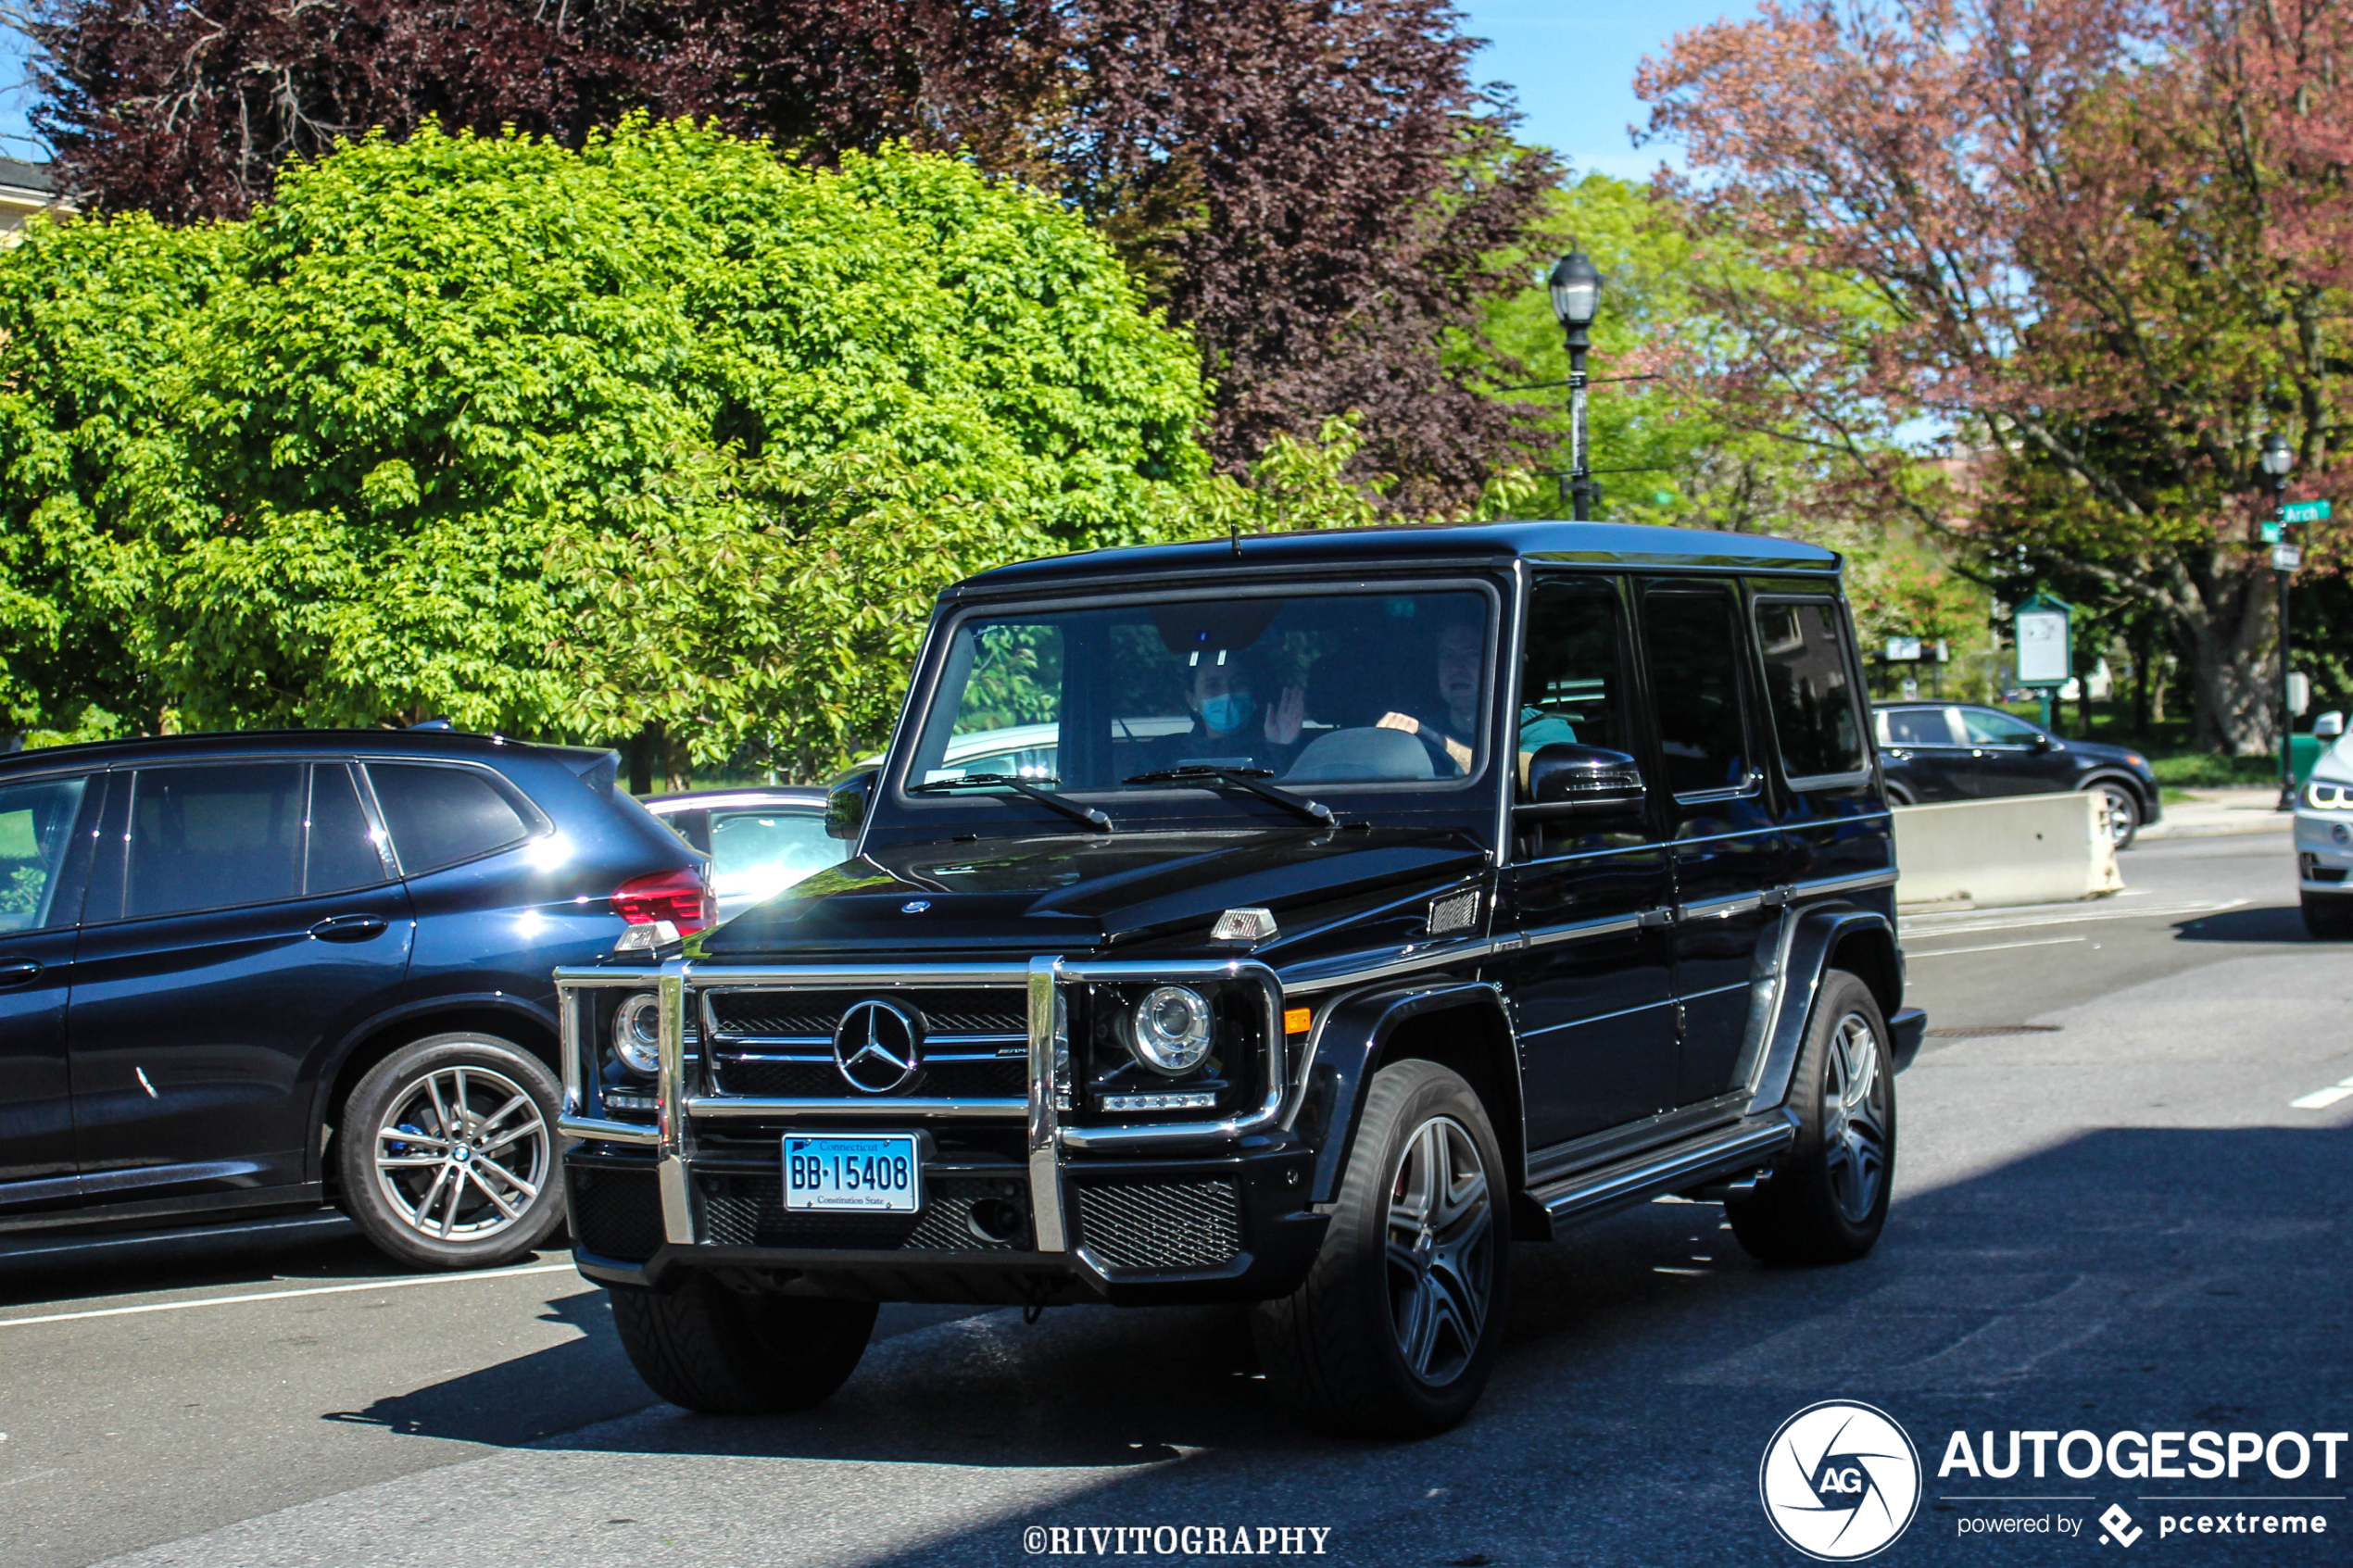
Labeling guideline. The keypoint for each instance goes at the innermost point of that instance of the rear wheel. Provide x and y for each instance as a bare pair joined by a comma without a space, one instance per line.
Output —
2328,916
729,1352
1395,1330
2123,811
446,1153
1827,1201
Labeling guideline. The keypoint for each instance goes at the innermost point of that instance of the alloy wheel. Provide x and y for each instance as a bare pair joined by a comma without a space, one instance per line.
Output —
1441,1250
462,1153
2123,812
1853,1119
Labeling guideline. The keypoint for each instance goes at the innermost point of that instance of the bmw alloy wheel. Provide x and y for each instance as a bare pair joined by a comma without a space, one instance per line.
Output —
1441,1241
1854,1134
462,1154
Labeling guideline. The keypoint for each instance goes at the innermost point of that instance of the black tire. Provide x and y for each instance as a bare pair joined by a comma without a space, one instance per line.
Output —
2124,809
730,1352
1826,1200
1337,1348
2328,916
504,1156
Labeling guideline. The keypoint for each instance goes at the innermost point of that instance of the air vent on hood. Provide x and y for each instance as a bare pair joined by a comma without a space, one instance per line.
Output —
1457,912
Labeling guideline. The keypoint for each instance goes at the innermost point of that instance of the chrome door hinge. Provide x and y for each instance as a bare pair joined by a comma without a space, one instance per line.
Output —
1651,918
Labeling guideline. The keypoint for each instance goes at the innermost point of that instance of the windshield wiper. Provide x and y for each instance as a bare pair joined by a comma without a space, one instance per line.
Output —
1244,779
1046,798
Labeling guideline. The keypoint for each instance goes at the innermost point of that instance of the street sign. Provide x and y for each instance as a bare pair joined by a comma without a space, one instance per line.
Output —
1903,649
2286,558
2305,511
2271,533
2044,658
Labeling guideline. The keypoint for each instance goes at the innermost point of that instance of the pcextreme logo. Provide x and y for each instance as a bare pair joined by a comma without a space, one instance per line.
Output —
1839,1481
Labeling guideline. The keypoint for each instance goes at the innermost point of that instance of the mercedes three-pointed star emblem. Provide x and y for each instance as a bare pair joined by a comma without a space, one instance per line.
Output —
877,1045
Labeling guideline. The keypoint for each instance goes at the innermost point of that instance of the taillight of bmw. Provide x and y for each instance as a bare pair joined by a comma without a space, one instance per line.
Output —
680,897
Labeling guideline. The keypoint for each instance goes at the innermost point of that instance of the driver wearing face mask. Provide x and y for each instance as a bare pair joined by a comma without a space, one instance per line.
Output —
1229,723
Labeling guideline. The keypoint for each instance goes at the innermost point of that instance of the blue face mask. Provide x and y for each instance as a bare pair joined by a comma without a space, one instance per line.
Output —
1227,714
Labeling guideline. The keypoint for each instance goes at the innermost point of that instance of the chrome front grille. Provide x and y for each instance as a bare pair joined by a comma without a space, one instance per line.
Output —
777,1043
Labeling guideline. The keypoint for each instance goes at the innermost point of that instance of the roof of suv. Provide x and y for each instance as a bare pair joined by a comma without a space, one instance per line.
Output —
210,742
1582,544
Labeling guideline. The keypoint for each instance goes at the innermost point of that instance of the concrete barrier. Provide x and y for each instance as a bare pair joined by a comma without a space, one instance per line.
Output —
2019,849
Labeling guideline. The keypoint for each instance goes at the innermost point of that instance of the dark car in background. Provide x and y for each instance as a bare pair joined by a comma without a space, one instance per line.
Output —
1940,751
247,974
761,839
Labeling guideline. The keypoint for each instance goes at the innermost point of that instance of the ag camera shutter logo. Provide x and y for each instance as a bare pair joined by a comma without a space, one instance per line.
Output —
1839,1481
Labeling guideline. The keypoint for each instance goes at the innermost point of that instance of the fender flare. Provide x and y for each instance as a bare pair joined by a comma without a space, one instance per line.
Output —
2092,781
1815,934
1349,1039
332,1062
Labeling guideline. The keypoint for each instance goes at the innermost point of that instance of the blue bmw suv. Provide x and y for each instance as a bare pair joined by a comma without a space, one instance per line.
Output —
258,973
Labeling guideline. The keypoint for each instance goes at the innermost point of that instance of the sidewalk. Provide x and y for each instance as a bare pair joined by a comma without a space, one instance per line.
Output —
2215,812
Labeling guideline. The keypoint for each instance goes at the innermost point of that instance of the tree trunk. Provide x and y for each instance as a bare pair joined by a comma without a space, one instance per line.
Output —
2225,638
677,765
642,747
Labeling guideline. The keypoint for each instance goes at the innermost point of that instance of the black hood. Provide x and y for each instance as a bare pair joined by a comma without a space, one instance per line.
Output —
1073,894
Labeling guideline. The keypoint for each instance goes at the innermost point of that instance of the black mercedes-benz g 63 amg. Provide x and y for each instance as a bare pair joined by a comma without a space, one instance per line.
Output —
1353,903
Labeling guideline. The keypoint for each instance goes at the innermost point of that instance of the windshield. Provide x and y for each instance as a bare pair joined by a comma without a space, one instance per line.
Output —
1322,688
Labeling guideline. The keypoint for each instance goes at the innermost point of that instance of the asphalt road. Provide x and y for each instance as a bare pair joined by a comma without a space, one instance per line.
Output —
2111,1217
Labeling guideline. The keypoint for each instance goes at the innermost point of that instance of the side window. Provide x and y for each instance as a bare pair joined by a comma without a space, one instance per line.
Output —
440,816
1816,717
1693,640
36,821
341,851
214,838
1988,728
1916,726
1572,679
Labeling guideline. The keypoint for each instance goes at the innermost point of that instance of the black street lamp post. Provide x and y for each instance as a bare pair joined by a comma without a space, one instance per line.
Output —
2278,461
1576,298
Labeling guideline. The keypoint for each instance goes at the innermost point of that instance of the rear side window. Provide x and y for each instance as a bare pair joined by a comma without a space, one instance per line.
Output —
1816,717
35,821
214,838
342,844
440,816
1916,726
1695,654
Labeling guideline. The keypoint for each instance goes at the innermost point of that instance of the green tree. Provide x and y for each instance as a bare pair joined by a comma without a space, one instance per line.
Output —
659,431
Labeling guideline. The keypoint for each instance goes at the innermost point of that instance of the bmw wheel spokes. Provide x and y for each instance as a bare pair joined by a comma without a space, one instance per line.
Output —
463,1153
1853,1119
1439,1249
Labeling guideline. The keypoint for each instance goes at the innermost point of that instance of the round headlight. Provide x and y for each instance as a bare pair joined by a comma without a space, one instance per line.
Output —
1172,1029
637,1032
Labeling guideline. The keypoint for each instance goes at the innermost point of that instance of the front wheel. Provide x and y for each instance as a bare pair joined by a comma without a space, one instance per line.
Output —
447,1153
2123,811
2328,916
730,1352
1395,1330
1827,1201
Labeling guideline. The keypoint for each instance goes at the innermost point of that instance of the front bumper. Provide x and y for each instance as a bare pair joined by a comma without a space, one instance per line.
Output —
1018,1207
2324,851
1221,1227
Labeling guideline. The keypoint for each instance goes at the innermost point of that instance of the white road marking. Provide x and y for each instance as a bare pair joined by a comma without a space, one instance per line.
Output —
2321,1100
284,1295
1995,946
1920,926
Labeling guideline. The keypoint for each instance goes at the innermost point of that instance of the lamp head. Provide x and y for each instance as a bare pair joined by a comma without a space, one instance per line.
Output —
1577,290
2278,456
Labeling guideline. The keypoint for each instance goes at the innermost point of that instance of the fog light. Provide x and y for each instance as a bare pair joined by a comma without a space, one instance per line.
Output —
637,1032
2342,833
1172,1029
1196,1101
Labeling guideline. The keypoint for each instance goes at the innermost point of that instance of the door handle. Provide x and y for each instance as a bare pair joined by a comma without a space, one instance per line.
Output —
349,928
1650,918
16,971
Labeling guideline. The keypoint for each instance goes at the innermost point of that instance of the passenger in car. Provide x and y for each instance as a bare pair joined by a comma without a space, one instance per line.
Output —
1462,648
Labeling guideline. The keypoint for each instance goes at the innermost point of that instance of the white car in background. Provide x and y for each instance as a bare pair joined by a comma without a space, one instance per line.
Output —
2325,834
761,840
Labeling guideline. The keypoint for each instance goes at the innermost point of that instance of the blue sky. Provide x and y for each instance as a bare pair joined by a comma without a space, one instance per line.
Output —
1572,64
1573,67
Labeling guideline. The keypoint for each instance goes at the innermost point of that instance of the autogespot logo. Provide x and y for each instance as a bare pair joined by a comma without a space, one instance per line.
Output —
1839,1481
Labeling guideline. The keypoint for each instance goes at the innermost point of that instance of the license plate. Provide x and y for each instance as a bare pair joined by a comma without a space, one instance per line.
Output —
872,1173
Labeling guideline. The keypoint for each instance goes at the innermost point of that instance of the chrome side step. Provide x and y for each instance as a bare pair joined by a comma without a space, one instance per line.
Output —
1726,1151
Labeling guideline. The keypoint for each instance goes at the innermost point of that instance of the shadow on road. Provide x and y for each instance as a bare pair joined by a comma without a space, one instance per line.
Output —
2277,924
